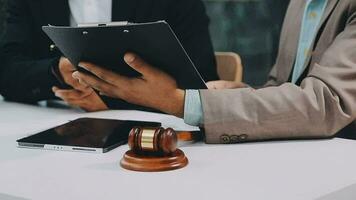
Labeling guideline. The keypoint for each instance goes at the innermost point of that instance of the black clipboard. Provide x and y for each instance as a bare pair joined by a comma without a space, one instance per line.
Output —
106,44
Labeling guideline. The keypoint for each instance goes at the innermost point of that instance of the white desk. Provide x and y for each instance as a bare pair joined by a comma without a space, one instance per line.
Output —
272,170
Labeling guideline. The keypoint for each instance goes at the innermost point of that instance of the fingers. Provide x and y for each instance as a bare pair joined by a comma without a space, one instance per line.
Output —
220,85
70,95
116,79
102,73
88,102
94,82
65,64
66,69
79,86
140,65
211,85
80,81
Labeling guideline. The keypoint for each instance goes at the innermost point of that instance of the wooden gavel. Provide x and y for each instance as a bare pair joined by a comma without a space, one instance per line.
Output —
155,149
153,140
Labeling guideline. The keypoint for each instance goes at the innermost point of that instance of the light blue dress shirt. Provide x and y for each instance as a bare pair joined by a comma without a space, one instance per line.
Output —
193,109
314,10
313,14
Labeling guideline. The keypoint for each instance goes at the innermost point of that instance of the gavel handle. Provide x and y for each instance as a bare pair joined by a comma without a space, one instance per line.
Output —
186,136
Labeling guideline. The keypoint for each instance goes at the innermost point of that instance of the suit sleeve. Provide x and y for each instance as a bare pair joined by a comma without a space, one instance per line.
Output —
191,24
322,105
24,77
272,77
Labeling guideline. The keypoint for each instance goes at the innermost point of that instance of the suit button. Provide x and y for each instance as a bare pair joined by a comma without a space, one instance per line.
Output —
234,139
225,139
243,137
52,47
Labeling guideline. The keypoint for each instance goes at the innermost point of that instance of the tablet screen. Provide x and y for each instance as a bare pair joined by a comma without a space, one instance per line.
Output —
88,132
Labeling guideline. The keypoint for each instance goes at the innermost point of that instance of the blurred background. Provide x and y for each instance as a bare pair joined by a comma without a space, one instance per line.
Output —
250,28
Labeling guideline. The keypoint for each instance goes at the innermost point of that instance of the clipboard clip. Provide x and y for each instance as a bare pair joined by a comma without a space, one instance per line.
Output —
119,23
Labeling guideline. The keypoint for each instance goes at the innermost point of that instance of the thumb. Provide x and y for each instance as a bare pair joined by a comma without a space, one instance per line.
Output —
140,65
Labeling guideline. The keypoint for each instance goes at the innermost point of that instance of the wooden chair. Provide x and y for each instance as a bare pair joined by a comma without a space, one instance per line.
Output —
229,66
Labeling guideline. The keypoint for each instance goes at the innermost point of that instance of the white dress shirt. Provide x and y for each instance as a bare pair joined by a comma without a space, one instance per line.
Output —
90,11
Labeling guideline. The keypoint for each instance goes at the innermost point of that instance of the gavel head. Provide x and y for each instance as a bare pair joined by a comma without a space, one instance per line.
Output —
153,140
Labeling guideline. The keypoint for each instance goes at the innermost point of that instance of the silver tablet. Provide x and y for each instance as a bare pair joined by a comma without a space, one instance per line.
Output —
84,135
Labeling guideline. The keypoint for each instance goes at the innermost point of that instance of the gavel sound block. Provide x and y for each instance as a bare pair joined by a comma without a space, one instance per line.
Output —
152,150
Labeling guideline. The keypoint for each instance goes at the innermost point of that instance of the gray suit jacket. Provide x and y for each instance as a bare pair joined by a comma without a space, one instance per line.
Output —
320,105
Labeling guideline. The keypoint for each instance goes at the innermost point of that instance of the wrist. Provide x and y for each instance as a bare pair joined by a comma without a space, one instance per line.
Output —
175,104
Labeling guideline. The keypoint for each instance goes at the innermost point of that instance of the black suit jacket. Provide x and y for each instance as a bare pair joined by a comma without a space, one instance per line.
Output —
25,71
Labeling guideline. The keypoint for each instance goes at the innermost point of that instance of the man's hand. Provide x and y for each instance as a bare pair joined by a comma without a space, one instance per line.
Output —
154,89
81,95
220,85
90,102
66,69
